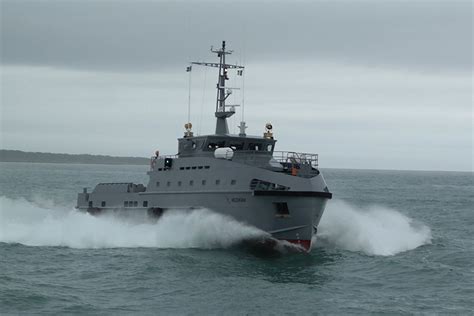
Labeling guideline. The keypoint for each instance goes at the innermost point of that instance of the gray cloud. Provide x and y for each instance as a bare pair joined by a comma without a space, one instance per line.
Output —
367,84
151,35
353,116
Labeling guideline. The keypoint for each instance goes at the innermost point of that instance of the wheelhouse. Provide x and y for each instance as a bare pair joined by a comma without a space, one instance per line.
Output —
206,145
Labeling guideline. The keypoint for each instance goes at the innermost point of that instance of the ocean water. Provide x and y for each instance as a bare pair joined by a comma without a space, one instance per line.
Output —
394,242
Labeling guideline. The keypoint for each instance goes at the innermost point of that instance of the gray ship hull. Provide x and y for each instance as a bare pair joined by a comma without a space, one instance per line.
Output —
289,209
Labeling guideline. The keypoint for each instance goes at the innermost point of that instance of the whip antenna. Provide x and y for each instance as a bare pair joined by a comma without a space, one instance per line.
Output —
188,69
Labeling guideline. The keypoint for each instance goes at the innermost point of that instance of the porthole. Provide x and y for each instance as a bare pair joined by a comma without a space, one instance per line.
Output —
233,182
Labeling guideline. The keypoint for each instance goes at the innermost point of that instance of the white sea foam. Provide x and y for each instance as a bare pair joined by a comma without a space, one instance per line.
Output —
374,231
29,224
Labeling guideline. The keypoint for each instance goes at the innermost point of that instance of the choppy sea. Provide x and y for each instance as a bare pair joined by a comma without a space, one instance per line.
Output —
390,242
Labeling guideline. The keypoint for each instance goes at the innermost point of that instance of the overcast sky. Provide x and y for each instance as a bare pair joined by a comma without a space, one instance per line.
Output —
366,84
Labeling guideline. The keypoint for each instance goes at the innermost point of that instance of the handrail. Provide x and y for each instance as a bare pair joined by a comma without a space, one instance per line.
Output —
290,158
164,157
295,158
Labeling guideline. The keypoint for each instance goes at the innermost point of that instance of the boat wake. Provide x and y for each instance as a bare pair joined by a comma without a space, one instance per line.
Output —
378,231
29,224
374,231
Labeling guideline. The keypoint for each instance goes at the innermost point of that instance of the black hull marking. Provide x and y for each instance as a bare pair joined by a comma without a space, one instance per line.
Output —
327,195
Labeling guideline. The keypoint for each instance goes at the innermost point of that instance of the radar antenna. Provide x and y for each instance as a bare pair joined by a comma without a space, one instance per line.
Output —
222,113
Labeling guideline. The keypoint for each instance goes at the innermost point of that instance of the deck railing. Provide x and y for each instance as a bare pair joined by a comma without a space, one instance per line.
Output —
287,158
294,158
164,157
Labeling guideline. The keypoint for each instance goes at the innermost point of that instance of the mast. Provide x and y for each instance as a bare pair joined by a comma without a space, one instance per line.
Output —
222,113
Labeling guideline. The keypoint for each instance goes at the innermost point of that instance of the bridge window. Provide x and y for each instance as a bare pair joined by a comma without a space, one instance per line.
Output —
261,185
203,182
102,204
218,182
255,146
233,182
179,183
191,182
125,204
145,203
252,146
213,145
135,203
158,183
168,183
237,146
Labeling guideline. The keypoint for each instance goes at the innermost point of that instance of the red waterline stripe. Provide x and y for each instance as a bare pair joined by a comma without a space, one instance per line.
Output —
306,244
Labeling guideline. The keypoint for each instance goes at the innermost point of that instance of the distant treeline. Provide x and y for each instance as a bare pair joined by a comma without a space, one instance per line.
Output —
22,156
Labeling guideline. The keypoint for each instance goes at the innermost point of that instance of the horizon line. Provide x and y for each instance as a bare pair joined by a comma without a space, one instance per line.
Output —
111,156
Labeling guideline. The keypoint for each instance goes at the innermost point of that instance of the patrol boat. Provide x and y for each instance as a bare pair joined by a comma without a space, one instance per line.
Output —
242,176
